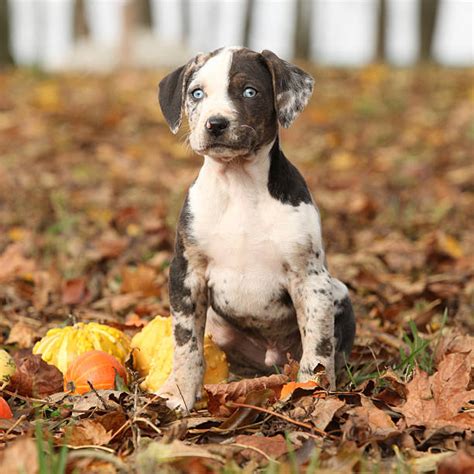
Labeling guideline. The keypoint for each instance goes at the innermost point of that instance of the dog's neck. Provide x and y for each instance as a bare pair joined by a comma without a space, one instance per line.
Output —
252,169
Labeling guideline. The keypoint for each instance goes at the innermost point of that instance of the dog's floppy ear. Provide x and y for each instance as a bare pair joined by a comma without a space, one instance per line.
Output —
292,88
172,92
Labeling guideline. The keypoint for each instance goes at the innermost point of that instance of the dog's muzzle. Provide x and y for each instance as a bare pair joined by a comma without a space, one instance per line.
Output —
216,125
226,139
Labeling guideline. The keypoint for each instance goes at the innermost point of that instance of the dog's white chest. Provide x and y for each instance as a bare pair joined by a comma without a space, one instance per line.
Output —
246,237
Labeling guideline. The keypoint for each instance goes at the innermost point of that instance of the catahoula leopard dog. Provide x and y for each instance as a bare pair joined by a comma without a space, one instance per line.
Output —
249,264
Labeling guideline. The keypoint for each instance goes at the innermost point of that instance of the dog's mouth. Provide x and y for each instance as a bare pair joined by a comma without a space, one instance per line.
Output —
212,146
237,142
223,151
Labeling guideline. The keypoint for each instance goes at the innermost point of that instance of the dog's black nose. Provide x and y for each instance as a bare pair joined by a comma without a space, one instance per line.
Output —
216,125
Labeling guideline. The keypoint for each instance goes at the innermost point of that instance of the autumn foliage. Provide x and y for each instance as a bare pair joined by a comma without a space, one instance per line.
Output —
91,182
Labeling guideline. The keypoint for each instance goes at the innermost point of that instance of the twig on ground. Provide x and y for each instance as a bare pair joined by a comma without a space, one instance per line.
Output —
253,448
283,417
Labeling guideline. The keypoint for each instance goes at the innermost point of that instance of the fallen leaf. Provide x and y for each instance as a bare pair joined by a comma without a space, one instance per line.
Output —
427,462
367,423
34,377
44,285
400,254
140,280
395,391
219,394
435,401
108,247
315,410
91,400
20,456
324,411
455,342
272,446
460,463
291,369
247,415
75,291
23,335
449,245
151,458
288,389
88,432
13,263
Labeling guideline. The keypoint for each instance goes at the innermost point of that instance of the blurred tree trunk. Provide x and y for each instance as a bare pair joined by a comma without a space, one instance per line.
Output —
303,27
429,10
143,15
4,52
382,21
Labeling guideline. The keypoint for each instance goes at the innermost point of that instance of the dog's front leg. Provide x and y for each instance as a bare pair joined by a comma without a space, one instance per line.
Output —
188,301
313,299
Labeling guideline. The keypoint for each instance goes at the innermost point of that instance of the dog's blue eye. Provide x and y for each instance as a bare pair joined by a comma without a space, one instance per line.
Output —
249,92
197,94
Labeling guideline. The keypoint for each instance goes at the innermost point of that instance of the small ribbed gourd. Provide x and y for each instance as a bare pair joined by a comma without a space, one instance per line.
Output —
152,350
60,346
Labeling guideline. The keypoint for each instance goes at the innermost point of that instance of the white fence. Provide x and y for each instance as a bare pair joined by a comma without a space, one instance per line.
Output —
341,32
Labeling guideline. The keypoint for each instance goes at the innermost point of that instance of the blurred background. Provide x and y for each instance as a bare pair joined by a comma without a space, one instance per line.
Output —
92,179
102,34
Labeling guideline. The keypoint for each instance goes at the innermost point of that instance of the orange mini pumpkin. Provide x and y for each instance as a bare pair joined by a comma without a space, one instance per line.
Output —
95,367
5,410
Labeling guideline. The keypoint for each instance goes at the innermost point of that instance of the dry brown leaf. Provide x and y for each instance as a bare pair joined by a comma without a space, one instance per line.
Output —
455,342
89,432
121,302
23,335
20,456
315,410
152,458
220,393
235,390
395,392
141,280
367,423
291,369
44,286
75,291
246,415
400,254
108,247
34,377
13,263
436,401
272,446
460,463
324,411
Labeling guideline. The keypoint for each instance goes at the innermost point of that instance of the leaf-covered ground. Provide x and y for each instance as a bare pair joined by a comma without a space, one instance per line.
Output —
91,182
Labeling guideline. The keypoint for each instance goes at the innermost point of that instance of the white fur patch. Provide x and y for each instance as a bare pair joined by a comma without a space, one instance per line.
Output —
213,79
246,234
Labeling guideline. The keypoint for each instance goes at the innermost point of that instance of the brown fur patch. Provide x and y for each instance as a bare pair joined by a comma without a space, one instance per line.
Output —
248,69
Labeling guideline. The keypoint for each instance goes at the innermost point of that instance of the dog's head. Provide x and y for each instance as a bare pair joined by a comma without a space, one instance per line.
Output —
234,99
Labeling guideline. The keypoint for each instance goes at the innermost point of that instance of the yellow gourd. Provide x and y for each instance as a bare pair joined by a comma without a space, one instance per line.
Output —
152,350
61,346
7,367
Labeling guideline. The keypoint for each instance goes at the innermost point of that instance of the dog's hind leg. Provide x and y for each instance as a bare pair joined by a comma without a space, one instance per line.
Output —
344,330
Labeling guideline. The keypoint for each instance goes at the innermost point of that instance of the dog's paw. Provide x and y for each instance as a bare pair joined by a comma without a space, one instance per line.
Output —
177,398
321,373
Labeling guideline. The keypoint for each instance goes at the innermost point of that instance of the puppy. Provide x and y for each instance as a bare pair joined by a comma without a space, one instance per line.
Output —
249,264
